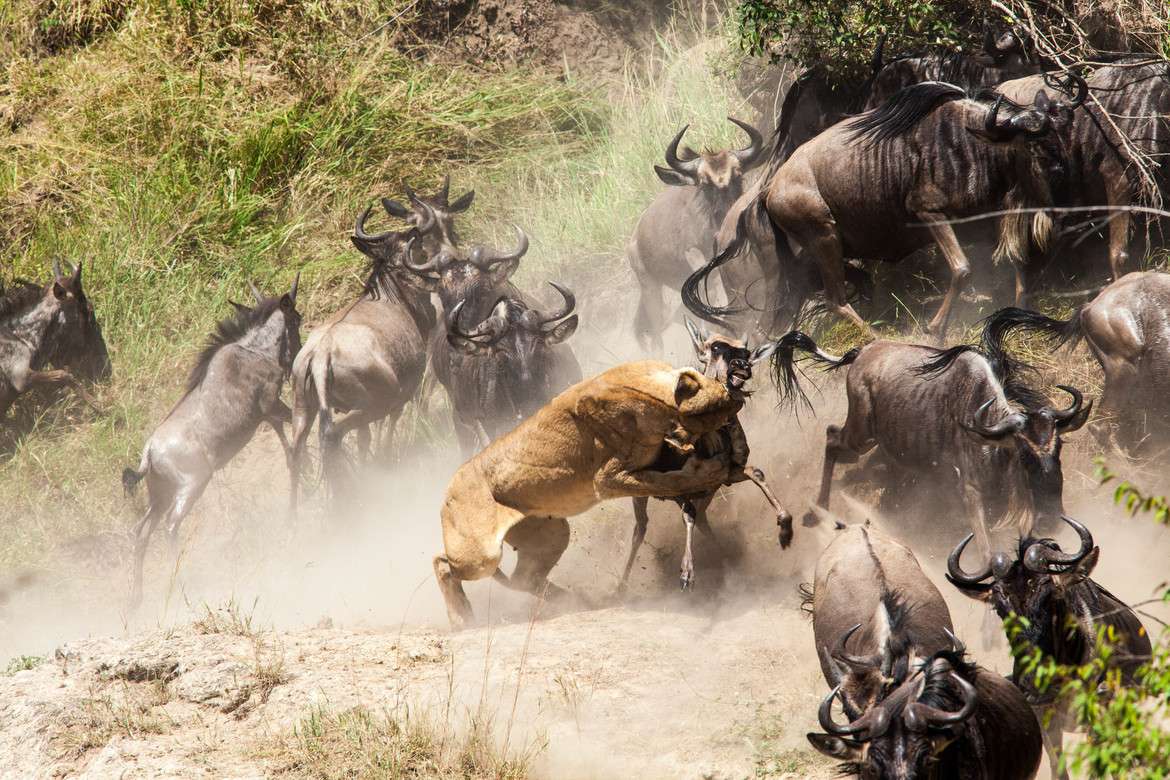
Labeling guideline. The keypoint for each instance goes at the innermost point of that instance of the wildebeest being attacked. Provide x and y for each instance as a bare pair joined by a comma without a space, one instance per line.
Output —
1127,328
367,361
915,707
884,184
1062,611
602,438
727,360
964,419
51,325
684,217
505,368
233,388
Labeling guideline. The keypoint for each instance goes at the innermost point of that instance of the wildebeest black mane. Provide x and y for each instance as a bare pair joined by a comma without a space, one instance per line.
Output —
23,295
939,690
902,112
1010,371
229,330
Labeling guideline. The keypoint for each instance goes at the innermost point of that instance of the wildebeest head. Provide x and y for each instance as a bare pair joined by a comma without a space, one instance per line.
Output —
1006,48
476,279
520,337
276,322
726,359
717,173
433,216
74,337
388,252
1034,435
1040,585
902,735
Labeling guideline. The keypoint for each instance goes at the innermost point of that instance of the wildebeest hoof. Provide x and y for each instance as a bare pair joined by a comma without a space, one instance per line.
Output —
686,581
810,519
784,520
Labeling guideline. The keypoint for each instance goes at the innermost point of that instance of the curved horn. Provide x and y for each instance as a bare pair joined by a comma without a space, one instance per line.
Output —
1039,557
685,167
991,122
566,309
920,717
1008,425
259,296
486,258
292,293
1064,415
854,662
359,227
444,193
956,643
876,64
1082,93
477,334
750,153
955,571
825,716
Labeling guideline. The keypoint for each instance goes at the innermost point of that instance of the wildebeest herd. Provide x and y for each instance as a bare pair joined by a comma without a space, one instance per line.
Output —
929,150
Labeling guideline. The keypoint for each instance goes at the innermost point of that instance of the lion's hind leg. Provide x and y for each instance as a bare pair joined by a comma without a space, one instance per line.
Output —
540,542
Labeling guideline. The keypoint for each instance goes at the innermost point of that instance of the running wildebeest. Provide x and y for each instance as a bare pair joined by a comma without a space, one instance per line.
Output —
433,216
53,325
884,184
233,388
915,707
729,361
367,361
1127,329
964,419
504,368
875,615
1063,611
684,217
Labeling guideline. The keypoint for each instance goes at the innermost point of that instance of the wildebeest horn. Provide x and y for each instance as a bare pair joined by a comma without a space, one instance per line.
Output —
566,309
1005,427
920,717
359,227
956,643
57,275
444,193
875,64
477,335
259,296
486,258
750,153
857,663
991,122
955,571
1039,557
292,293
685,167
1064,415
825,716
1082,93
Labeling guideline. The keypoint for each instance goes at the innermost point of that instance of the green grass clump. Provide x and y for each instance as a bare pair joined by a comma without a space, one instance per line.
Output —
182,148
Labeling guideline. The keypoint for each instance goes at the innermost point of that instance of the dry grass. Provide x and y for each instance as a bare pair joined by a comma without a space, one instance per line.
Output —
228,619
119,710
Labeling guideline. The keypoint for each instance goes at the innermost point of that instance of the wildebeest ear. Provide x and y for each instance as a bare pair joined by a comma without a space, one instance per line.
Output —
463,203
1079,573
673,178
396,209
59,290
562,331
1042,102
763,351
502,272
834,747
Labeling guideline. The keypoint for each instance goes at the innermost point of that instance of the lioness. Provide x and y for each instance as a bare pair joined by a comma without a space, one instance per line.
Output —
599,439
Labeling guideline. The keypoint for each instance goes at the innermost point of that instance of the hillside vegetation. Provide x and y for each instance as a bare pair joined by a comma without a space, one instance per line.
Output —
182,148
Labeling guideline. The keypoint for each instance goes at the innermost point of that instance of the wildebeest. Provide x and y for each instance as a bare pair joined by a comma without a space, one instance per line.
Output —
1127,328
367,361
433,216
233,388
915,707
727,360
1063,611
884,184
602,438
873,608
964,419
51,325
682,221
504,368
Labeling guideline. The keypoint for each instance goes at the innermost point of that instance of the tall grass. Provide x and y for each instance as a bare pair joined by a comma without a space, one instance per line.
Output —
182,149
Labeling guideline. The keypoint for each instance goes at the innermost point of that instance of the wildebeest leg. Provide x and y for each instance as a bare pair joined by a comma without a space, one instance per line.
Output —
826,248
687,571
185,499
1052,729
277,417
540,542
364,436
641,520
650,318
142,532
302,425
944,236
58,378
841,444
783,518
386,445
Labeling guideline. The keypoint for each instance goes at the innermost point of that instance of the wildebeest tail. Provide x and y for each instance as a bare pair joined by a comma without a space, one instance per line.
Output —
690,289
1002,323
784,365
781,148
942,359
131,478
